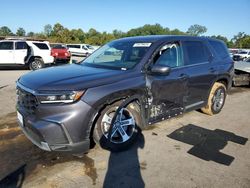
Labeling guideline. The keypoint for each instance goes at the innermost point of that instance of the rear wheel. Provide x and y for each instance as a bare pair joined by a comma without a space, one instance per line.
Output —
36,63
125,128
216,99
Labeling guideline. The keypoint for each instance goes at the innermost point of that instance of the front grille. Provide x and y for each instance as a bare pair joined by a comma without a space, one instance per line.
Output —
26,100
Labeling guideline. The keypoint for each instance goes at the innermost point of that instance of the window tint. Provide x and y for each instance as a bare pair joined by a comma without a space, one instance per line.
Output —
220,48
41,46
85,48
169,55
196,52
73,46
6,45
59,47
21,45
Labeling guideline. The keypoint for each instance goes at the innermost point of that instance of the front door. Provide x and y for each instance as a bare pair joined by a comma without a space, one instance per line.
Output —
167,92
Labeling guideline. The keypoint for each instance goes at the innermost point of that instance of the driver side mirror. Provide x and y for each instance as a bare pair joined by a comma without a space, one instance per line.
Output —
160,70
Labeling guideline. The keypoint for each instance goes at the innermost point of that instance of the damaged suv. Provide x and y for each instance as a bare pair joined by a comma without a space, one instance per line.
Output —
124,86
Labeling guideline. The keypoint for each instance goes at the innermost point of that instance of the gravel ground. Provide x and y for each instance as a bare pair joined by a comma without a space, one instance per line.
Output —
194,150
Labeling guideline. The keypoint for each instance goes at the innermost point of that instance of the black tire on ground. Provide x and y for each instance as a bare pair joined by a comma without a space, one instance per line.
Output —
117,142
36,63
216,99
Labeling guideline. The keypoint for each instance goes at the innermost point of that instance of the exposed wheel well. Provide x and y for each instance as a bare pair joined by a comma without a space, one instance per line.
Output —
33,57
98,113
223,81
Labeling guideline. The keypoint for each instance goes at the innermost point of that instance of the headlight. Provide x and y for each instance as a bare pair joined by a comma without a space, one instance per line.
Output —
63,97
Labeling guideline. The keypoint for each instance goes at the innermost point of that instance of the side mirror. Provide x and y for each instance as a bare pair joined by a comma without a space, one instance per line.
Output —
160,70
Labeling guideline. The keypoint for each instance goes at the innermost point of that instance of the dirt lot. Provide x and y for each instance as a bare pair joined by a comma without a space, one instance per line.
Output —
195,150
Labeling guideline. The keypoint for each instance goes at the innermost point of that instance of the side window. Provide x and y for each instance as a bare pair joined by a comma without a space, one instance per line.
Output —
21,45
41,46
6,46
169,55
196,52
73,46
220,48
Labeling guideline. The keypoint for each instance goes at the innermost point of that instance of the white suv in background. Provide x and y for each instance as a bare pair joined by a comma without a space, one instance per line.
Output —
80,49
35,54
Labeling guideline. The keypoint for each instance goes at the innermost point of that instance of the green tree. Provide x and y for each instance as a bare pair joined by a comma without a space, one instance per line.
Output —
48,30
30,34
237,39
5,31
246,42
77,36
20,32
177,32
196,30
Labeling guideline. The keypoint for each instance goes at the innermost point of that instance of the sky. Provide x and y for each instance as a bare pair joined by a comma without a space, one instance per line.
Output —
221,17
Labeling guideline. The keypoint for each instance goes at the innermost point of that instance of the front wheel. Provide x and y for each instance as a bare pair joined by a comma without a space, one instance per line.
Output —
216,99
124,130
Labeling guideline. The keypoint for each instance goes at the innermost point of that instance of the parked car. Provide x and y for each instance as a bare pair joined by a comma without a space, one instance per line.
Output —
60,53
109,97
80,49
34,54
242,73
241,56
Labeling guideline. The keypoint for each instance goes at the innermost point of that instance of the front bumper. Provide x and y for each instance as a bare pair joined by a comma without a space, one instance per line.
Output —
58,127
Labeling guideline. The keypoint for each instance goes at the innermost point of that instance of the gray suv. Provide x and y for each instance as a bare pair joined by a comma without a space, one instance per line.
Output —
124,86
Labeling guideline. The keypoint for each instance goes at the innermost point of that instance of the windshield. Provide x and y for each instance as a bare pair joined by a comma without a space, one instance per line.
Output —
117,55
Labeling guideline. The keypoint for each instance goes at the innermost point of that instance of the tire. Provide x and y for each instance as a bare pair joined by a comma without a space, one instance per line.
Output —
36,63
216,99
117,142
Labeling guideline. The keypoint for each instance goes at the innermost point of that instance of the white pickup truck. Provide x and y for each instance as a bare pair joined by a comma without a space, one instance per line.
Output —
241,56
34,54
242,73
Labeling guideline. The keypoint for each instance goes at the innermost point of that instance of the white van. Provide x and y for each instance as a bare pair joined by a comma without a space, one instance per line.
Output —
80,49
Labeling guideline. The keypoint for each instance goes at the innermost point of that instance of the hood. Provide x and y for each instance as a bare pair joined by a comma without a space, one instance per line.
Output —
71,77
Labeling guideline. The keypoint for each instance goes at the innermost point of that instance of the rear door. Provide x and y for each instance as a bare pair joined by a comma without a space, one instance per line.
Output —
7,52
201,73
20,52
167,92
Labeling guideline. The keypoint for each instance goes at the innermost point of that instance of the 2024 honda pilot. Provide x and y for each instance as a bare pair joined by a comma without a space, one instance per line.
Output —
123,87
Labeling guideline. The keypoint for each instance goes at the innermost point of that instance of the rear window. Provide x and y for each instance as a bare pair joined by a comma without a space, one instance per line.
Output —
196,52
59,47
220,48
41,46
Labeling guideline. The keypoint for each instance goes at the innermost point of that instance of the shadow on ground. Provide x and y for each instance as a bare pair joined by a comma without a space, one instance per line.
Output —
207,143
124,168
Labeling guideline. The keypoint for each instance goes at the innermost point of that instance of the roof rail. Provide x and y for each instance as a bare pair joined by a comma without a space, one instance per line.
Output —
21,38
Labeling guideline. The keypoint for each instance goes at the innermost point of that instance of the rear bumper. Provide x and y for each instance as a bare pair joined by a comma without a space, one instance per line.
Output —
58,127
62,58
